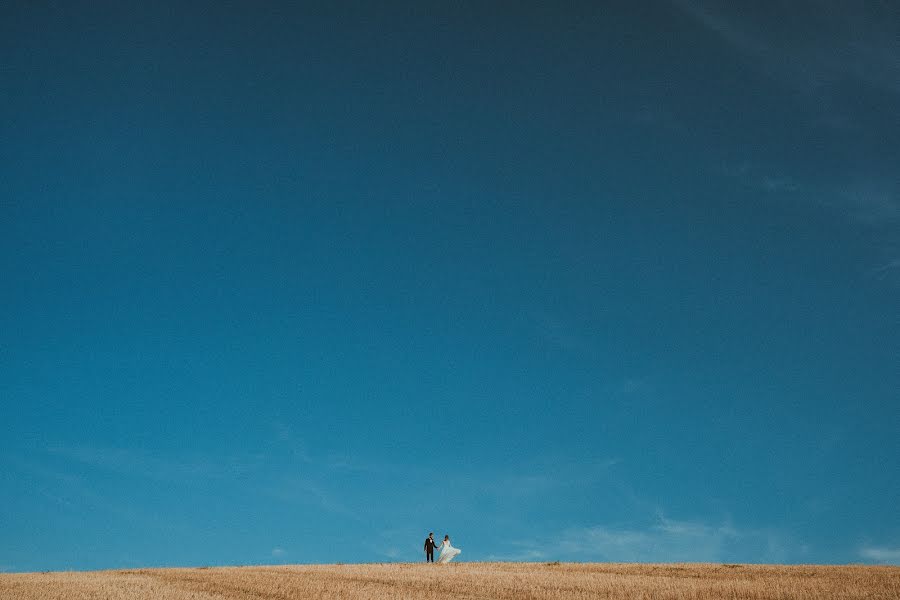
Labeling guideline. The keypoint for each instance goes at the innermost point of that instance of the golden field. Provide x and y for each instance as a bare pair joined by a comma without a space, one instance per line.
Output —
520,581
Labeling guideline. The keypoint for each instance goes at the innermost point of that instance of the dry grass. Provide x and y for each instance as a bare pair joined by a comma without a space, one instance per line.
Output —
521,581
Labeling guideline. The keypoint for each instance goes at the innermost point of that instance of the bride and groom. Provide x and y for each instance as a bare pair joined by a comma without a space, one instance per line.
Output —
447,551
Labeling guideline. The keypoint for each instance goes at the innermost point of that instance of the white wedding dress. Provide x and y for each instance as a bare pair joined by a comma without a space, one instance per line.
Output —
448,552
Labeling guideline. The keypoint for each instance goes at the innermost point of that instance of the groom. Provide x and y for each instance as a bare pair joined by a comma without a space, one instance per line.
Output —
429,548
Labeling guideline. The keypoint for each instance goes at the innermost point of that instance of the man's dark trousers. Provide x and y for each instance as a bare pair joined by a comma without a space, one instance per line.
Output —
429,549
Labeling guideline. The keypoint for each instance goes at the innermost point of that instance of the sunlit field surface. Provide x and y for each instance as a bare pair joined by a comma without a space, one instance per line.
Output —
461,580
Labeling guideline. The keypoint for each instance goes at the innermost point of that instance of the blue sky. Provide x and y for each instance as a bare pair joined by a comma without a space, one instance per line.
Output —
591,283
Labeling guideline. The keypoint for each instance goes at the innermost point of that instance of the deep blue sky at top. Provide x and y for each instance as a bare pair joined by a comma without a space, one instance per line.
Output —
301,284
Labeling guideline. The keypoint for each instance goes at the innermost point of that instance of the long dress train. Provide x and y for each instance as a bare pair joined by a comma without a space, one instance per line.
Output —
448,552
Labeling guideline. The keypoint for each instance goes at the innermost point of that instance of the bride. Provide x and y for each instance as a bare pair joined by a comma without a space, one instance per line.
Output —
448,552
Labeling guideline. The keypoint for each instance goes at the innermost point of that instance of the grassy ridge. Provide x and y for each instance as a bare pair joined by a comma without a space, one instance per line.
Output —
463,581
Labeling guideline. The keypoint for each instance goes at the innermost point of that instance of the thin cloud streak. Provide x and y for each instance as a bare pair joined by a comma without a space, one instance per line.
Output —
885,270
667,540
853,41
872,203
125,461
881,555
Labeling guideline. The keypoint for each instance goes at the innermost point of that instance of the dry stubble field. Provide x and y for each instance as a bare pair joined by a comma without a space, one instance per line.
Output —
461,581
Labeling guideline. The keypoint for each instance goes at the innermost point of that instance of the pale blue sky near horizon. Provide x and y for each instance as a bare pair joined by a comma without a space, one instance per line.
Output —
296,284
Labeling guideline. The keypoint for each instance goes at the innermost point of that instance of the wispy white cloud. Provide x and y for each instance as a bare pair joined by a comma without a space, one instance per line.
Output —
666,540
881,554
823,49
309,488
759,177
871,202
278,552
809,44
558,332
74,493
127,461
779,184
886,269
537,480
632,386
402,542
309,491
285,439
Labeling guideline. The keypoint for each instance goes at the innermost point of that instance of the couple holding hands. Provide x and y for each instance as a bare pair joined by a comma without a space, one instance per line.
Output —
447,551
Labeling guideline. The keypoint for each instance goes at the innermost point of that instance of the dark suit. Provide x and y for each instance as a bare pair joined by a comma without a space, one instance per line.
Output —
429,549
